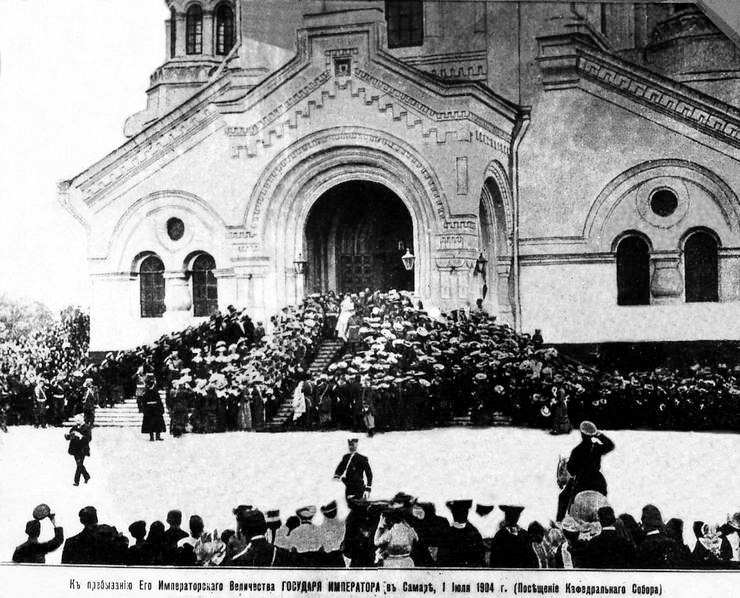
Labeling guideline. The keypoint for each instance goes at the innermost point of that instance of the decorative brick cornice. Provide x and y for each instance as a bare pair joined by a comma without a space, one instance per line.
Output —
450,115
566,61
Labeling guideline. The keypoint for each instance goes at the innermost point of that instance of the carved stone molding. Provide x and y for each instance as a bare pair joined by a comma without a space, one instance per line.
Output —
711,120
565,60
275,173
450,115
142,157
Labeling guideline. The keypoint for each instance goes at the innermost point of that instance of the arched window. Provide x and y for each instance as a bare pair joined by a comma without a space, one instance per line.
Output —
173,33
700,267
633,271
405,20
224,29
151,287
205,286
194,30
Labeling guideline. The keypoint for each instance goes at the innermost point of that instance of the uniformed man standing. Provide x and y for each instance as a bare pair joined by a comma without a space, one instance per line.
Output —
354,470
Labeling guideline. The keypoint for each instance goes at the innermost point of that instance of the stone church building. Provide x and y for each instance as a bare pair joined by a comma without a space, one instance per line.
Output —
576,165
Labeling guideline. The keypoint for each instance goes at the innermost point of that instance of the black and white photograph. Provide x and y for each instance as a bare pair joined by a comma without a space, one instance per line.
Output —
381,297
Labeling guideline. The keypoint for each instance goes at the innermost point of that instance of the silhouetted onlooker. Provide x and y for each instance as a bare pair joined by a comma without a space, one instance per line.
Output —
155,544
609,550
82,548
33,551
658,550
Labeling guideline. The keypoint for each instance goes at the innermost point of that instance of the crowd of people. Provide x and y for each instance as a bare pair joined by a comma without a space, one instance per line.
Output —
400,532
405,367
401,367
41,374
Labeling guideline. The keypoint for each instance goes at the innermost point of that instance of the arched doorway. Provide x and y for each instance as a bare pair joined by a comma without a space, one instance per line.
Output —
356,233
494,278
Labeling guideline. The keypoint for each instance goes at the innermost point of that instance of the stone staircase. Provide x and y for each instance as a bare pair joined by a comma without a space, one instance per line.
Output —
498,419
123,415
324,356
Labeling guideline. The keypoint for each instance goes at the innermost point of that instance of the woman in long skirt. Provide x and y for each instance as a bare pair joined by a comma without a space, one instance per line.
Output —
560,420
258,410
347,308
244,415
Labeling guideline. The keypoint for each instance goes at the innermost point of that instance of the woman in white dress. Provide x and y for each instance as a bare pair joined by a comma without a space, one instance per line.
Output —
347,308
395,540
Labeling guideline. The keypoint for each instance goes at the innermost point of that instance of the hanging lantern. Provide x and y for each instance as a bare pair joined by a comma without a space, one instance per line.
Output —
408,260
480,265
300,264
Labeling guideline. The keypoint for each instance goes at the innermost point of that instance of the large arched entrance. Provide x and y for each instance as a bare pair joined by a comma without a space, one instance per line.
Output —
356,233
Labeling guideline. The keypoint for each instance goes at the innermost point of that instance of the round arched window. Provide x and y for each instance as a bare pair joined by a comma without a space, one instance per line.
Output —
175,229
663,202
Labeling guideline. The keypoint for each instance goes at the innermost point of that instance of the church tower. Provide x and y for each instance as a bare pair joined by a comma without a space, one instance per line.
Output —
202,38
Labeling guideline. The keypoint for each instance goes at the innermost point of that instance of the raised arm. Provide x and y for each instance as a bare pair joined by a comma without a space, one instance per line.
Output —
55,542
606,444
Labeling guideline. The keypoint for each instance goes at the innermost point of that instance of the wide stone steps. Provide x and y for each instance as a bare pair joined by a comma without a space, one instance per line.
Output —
123,415
326,354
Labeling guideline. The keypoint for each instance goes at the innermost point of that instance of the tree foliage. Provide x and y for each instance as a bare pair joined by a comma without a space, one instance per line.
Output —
20,318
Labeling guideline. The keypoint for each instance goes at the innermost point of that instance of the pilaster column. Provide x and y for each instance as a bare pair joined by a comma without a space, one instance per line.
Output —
180,35
178,300
666,283
208,37
502,287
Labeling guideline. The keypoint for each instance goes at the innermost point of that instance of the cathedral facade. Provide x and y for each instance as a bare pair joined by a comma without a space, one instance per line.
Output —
575,165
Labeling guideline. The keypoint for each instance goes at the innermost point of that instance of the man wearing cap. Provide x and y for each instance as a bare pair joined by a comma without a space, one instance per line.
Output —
137,553
584,465
40,403
79,437
258,552
153,421
608,550
354,470
82,548
174,534
89,401
463,545
511,546
657,550
33,551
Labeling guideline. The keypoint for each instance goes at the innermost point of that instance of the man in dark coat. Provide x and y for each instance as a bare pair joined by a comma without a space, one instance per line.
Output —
33,551
79,437
462,545
137,554
258,552
657,550
584,466
354,470
153,422
511,546
608,550
173,535
82,549
358,545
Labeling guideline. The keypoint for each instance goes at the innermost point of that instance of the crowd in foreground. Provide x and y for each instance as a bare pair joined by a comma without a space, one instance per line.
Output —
401,532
